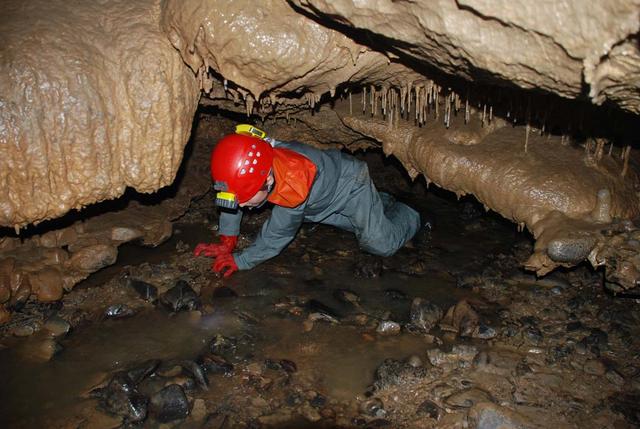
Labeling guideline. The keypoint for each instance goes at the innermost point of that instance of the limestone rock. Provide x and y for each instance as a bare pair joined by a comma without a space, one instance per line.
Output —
94,99
92,258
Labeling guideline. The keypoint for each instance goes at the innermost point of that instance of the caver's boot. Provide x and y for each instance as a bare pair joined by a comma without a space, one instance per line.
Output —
423,236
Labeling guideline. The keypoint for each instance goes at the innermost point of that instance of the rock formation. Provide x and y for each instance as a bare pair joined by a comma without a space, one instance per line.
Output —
95,98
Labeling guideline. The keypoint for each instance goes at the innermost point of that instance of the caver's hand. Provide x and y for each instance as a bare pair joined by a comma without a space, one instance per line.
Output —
225,265
226,245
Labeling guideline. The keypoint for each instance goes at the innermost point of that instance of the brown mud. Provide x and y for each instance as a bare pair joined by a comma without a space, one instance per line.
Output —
309,339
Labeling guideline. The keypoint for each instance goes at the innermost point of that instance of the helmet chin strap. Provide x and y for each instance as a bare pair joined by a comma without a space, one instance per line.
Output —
266,187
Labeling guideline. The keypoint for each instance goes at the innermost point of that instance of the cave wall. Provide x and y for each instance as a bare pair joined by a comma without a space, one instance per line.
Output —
93,99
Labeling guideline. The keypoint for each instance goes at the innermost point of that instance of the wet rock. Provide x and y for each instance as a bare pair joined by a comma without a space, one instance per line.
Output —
117,311
197,372
120,397
40,350
57,326
320,311
594,367
187,383
368,266
388,327
487,415
223,346
615,377
424,315
429,409
415,361
199,411
533,334
213,364
285,365
142,371
23,330
278,419
460,354
147,291
468,398
393,372
461,319
180,297
46,284
347,296
169,404
454,421
373,407
92,258
570,250
121,233
484,332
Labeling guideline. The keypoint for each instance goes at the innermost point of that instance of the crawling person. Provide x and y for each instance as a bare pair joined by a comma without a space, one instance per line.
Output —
304,184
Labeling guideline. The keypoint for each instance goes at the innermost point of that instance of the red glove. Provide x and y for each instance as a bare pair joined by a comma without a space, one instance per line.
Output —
226,245
225,265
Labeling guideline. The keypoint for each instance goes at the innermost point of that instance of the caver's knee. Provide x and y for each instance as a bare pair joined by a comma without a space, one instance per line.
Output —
380,247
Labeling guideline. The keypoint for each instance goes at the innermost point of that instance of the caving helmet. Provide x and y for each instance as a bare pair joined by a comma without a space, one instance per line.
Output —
240,165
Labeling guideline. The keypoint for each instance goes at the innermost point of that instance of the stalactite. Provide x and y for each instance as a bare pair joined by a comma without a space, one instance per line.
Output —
626,156
249,104
364,100
350,104
466,111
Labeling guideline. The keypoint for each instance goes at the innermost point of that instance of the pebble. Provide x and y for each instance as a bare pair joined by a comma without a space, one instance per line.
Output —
23,330
118,311
461,319
147,291
181,297
615,377
491,416
346,296
415,361
430,409
388,327
594,367
468,398
373,407
424,315
169,404
199,411
310,413
484,332
92,258
459,353
57,326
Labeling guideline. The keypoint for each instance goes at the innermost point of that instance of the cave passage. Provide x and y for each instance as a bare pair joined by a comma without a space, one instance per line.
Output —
450,329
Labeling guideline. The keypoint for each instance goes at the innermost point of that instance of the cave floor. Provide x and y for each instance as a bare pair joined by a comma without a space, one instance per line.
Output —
306,339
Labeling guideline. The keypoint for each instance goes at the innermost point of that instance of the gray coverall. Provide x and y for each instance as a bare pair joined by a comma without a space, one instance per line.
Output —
341,195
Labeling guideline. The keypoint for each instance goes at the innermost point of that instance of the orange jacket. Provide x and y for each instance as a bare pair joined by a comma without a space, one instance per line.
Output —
294,175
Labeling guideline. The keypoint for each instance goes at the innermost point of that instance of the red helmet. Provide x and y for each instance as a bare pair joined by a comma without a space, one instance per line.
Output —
240,165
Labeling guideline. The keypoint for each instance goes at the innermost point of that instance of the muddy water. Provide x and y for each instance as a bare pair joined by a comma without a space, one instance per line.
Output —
340,359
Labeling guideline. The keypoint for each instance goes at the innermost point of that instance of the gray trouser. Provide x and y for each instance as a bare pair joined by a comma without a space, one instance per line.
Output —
381,224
